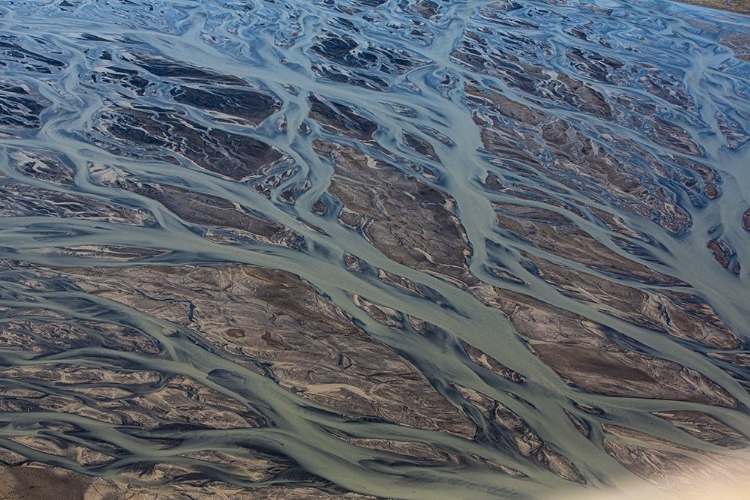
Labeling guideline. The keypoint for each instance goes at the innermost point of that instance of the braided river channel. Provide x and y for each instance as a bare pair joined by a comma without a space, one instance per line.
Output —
413,249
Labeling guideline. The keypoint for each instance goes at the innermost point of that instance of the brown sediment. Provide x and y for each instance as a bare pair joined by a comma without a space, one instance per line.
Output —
410,286
42,483
421,451
340,119
426,8
505,427
128,397
27,330
273,317
363,65
229,104
78,453
384,315
679,314
113,252
579,163
170,68
420,146
21,200
581,425
739,6
482,359
20,106
741,359
616,224
558,235
42,167
155,130
580,352
36,482
667,465
706,428
723,253
408,221
207,210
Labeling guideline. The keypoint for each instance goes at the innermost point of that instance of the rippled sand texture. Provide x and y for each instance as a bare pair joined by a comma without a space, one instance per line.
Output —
369,248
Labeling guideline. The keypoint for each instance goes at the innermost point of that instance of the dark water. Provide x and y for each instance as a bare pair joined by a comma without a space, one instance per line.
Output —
638,110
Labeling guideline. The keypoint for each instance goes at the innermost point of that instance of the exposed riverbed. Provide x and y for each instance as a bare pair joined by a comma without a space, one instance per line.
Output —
430,250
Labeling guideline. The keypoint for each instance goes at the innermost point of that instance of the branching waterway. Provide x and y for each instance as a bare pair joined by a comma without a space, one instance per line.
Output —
390,248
